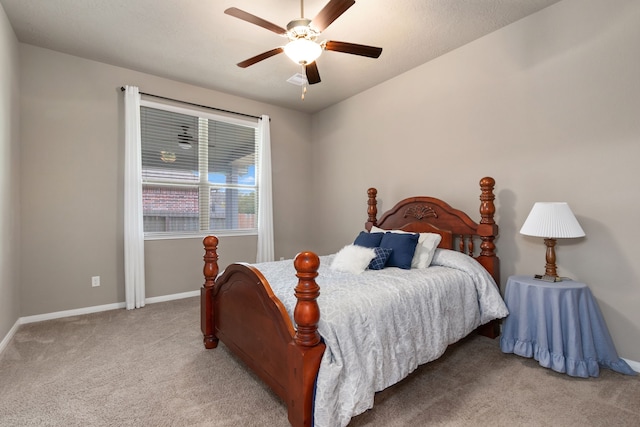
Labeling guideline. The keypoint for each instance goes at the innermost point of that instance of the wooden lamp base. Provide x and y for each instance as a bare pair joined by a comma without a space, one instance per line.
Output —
550,272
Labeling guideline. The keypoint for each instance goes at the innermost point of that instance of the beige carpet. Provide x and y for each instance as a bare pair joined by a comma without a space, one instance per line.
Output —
147,367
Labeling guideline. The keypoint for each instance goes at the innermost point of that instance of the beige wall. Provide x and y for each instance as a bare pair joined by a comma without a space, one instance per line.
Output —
72,185
9,178
549,106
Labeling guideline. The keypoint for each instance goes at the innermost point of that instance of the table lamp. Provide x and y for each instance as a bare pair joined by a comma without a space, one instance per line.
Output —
551,220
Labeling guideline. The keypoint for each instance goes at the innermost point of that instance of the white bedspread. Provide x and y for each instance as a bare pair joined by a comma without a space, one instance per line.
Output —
378,326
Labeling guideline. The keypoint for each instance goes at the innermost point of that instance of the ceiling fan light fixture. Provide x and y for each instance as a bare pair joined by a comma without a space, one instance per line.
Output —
302,51
303,47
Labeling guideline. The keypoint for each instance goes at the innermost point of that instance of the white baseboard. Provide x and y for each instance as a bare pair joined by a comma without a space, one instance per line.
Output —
85,310
634,365
172,297
69,313
10,334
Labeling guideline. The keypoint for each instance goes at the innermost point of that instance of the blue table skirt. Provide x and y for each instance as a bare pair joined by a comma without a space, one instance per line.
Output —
560,325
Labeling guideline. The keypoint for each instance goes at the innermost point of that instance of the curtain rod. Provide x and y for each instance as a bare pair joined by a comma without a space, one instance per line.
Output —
197,105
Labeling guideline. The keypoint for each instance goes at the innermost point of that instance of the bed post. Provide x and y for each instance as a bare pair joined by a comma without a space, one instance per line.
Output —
488,230
206,292
307,348
372,208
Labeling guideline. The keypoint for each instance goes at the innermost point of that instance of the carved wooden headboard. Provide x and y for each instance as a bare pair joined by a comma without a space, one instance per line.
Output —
431,215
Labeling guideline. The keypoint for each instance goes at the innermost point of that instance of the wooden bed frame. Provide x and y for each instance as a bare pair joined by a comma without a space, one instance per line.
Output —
240,309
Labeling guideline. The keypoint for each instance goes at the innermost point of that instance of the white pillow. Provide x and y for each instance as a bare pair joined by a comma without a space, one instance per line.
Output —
353,259
427,244
425,250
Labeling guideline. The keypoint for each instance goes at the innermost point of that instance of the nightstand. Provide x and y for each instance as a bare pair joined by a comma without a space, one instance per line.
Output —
560,325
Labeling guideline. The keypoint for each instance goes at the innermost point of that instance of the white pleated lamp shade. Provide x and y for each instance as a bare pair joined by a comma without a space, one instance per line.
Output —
552,220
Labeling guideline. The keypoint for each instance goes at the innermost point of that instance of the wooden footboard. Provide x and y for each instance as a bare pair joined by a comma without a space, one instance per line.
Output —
240,309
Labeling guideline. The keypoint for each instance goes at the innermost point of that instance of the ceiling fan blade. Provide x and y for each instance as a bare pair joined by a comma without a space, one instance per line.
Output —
258,58
245,16
313,76
330,13
354,49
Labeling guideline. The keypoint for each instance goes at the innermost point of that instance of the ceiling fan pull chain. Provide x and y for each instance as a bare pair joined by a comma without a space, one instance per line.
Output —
304,85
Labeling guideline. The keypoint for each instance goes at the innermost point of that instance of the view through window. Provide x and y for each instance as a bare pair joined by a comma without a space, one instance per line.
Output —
198,173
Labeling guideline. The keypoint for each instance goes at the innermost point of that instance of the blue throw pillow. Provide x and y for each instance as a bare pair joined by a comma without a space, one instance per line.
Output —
403,245
368,240
382,255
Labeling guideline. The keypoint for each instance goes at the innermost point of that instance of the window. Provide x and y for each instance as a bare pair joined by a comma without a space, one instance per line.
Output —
198,172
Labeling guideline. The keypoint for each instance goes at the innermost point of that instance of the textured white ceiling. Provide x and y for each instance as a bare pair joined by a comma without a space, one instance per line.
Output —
193,41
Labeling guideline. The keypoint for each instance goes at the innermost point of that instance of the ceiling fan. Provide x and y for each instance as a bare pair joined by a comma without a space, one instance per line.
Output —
303,47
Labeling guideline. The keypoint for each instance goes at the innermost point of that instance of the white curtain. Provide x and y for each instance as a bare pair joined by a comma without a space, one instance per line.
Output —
265,203
133,226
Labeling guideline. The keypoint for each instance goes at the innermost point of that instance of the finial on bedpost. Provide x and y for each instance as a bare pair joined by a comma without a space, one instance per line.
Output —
372,208
487,230
487,208
210,271
307,311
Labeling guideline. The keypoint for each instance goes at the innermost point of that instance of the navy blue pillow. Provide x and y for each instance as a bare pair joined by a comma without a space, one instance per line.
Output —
368,240
403,245
382,255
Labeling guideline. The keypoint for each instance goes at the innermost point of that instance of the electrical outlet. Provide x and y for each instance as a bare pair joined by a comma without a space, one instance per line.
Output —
95,281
